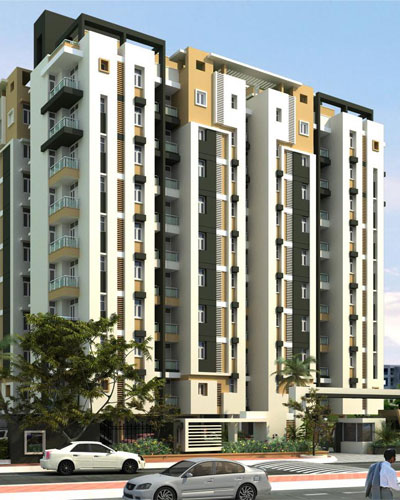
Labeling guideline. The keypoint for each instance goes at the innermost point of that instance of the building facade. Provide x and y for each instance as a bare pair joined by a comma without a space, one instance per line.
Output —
232,215
392,376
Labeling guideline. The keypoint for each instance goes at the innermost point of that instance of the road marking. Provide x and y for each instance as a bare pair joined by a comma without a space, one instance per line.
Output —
314,494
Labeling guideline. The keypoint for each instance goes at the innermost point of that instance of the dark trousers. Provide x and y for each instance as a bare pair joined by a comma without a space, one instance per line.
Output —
386,493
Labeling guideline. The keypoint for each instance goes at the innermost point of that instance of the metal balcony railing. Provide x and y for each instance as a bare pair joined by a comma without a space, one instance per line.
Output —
324,247
324,340
64,202
324,278
64,82
61,281
171,147
171,292
171,365
324,152
171,111
172,256
324,309
172,219
170,328
324,184
171,183
64,162
324,215
171,400
63,242
64,122
324,372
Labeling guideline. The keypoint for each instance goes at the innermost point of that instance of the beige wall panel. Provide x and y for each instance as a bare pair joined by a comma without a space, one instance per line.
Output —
305,112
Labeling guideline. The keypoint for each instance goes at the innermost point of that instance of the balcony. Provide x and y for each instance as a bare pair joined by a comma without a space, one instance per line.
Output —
324,344
171,224
171,328
323,312
64,95
171,400
324,375
324,281
324,190
324,159
324,250
171,152
171,188
64,171
64,133
171,116
64,287
172,260
65,248
171,365
66,209
171,296
324,219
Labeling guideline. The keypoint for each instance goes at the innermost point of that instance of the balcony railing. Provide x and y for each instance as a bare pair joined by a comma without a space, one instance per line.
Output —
63,242
171,400
324,215
324,278
171,183
171,365
324,247
64,82
171,147
172,256
64,122
324,152
64,202
324,184
324,340
172,219
70,318
324,309
171,292
61,281
64,162
324,372
171,111
170,328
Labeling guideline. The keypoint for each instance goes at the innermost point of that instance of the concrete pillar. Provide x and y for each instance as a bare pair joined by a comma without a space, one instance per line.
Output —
232,432
260,431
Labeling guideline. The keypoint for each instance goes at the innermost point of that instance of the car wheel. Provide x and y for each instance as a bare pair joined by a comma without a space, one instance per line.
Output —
130,467
246,492
165,493
65,468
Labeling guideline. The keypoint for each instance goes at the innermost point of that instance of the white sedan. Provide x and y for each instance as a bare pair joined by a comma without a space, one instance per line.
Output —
84,455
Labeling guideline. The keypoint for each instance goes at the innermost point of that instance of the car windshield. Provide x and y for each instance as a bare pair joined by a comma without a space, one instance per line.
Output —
178,469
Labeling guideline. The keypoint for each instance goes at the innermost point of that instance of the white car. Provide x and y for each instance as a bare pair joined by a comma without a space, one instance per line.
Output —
84,455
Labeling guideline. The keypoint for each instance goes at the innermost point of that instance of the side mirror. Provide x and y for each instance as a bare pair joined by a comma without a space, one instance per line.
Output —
187,475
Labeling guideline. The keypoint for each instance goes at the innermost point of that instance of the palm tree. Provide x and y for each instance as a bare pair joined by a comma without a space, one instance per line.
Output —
294,372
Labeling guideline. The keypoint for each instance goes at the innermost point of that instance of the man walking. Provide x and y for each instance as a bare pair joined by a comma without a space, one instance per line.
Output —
382,478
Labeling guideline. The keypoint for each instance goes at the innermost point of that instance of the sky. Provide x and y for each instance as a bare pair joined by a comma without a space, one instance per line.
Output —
347,49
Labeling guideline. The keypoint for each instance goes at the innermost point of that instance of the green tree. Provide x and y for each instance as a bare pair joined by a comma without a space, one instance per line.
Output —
161,413
386,435
73,376
294,372
317,422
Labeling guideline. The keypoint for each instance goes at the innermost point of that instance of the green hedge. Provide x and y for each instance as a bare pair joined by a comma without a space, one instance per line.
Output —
274,445
145,446
3,449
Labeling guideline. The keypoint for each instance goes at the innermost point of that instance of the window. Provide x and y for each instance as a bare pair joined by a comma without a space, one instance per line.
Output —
303,99
202,241
351,364
233,315
103,223
278,114
304,224
352,329
278,184
52,273
202,350
278,151
26,114
138,116
202,168
138,77
138,231
203,469
233,174
351,298
351,172
138,308
278,218
304,257
304,128
104,65
304,324
233,244
304,192
202,204
103,104
103,263
103,183
202,314
233,280
201,98
202,277
278,320
233,209
278,252
233,139
139,155
34,442
352,203
10,117
27,251
352,265
82,448
304,291
27,183
305,161
352,139
375,146
138,270
138,193
103,140
27,151
138,351
103,308
11,86
233,351
234,101
27,286
229,468
203,389
351,235
202,134
278,286
26,213
200,65
232,385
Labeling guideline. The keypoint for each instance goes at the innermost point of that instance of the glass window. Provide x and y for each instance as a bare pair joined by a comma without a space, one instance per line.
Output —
98,448
178,469
202,134
201,98
34,442
138,270
202,350
26,212
138,308
233,315
365,432
233,280
27,151
305,161
138,116
202,314
233,244
27,251
203,389
233,139
304,128
233,174
304,324
202,241
304,291
103,104
234,101
26,286
138,231
278,114
138,193
304,224
202,204
102,223
304,257
138,77
229,468
139,155
82,448
233,209
27,183
202,168
102,144
232,385
304,192
103,308
203,469
349,432
202,277
26,112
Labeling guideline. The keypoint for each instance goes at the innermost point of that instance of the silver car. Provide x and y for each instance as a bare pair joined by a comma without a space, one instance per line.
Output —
199,478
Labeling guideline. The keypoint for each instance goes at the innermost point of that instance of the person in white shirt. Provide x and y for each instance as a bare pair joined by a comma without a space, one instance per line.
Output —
388,475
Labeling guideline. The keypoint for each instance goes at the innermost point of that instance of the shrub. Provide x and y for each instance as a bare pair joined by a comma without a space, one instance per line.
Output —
273,445
3,449
145,446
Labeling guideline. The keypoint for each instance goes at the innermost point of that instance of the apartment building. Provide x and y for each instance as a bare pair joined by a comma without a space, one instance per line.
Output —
15,206
232,215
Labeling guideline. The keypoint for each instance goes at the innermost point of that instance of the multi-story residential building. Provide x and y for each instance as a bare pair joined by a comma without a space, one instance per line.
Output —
392,376
240,217
15,207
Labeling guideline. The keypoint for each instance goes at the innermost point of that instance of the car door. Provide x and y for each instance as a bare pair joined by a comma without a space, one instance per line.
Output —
103,458
82,456
200,483
228,477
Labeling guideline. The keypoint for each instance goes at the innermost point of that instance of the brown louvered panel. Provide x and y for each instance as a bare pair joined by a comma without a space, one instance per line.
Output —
120,117
120,235
120,312
219,395
120,156
364,266
120,392
120,274
120,78
364,404
364,334
364,241
364,179
364,311
120,195
364,212
364,365
364,148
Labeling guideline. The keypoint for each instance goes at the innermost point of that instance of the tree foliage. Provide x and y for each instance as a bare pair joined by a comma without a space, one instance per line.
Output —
294,372
63,385
317,422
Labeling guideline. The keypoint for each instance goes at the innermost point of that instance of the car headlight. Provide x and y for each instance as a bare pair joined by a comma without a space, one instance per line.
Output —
144,486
